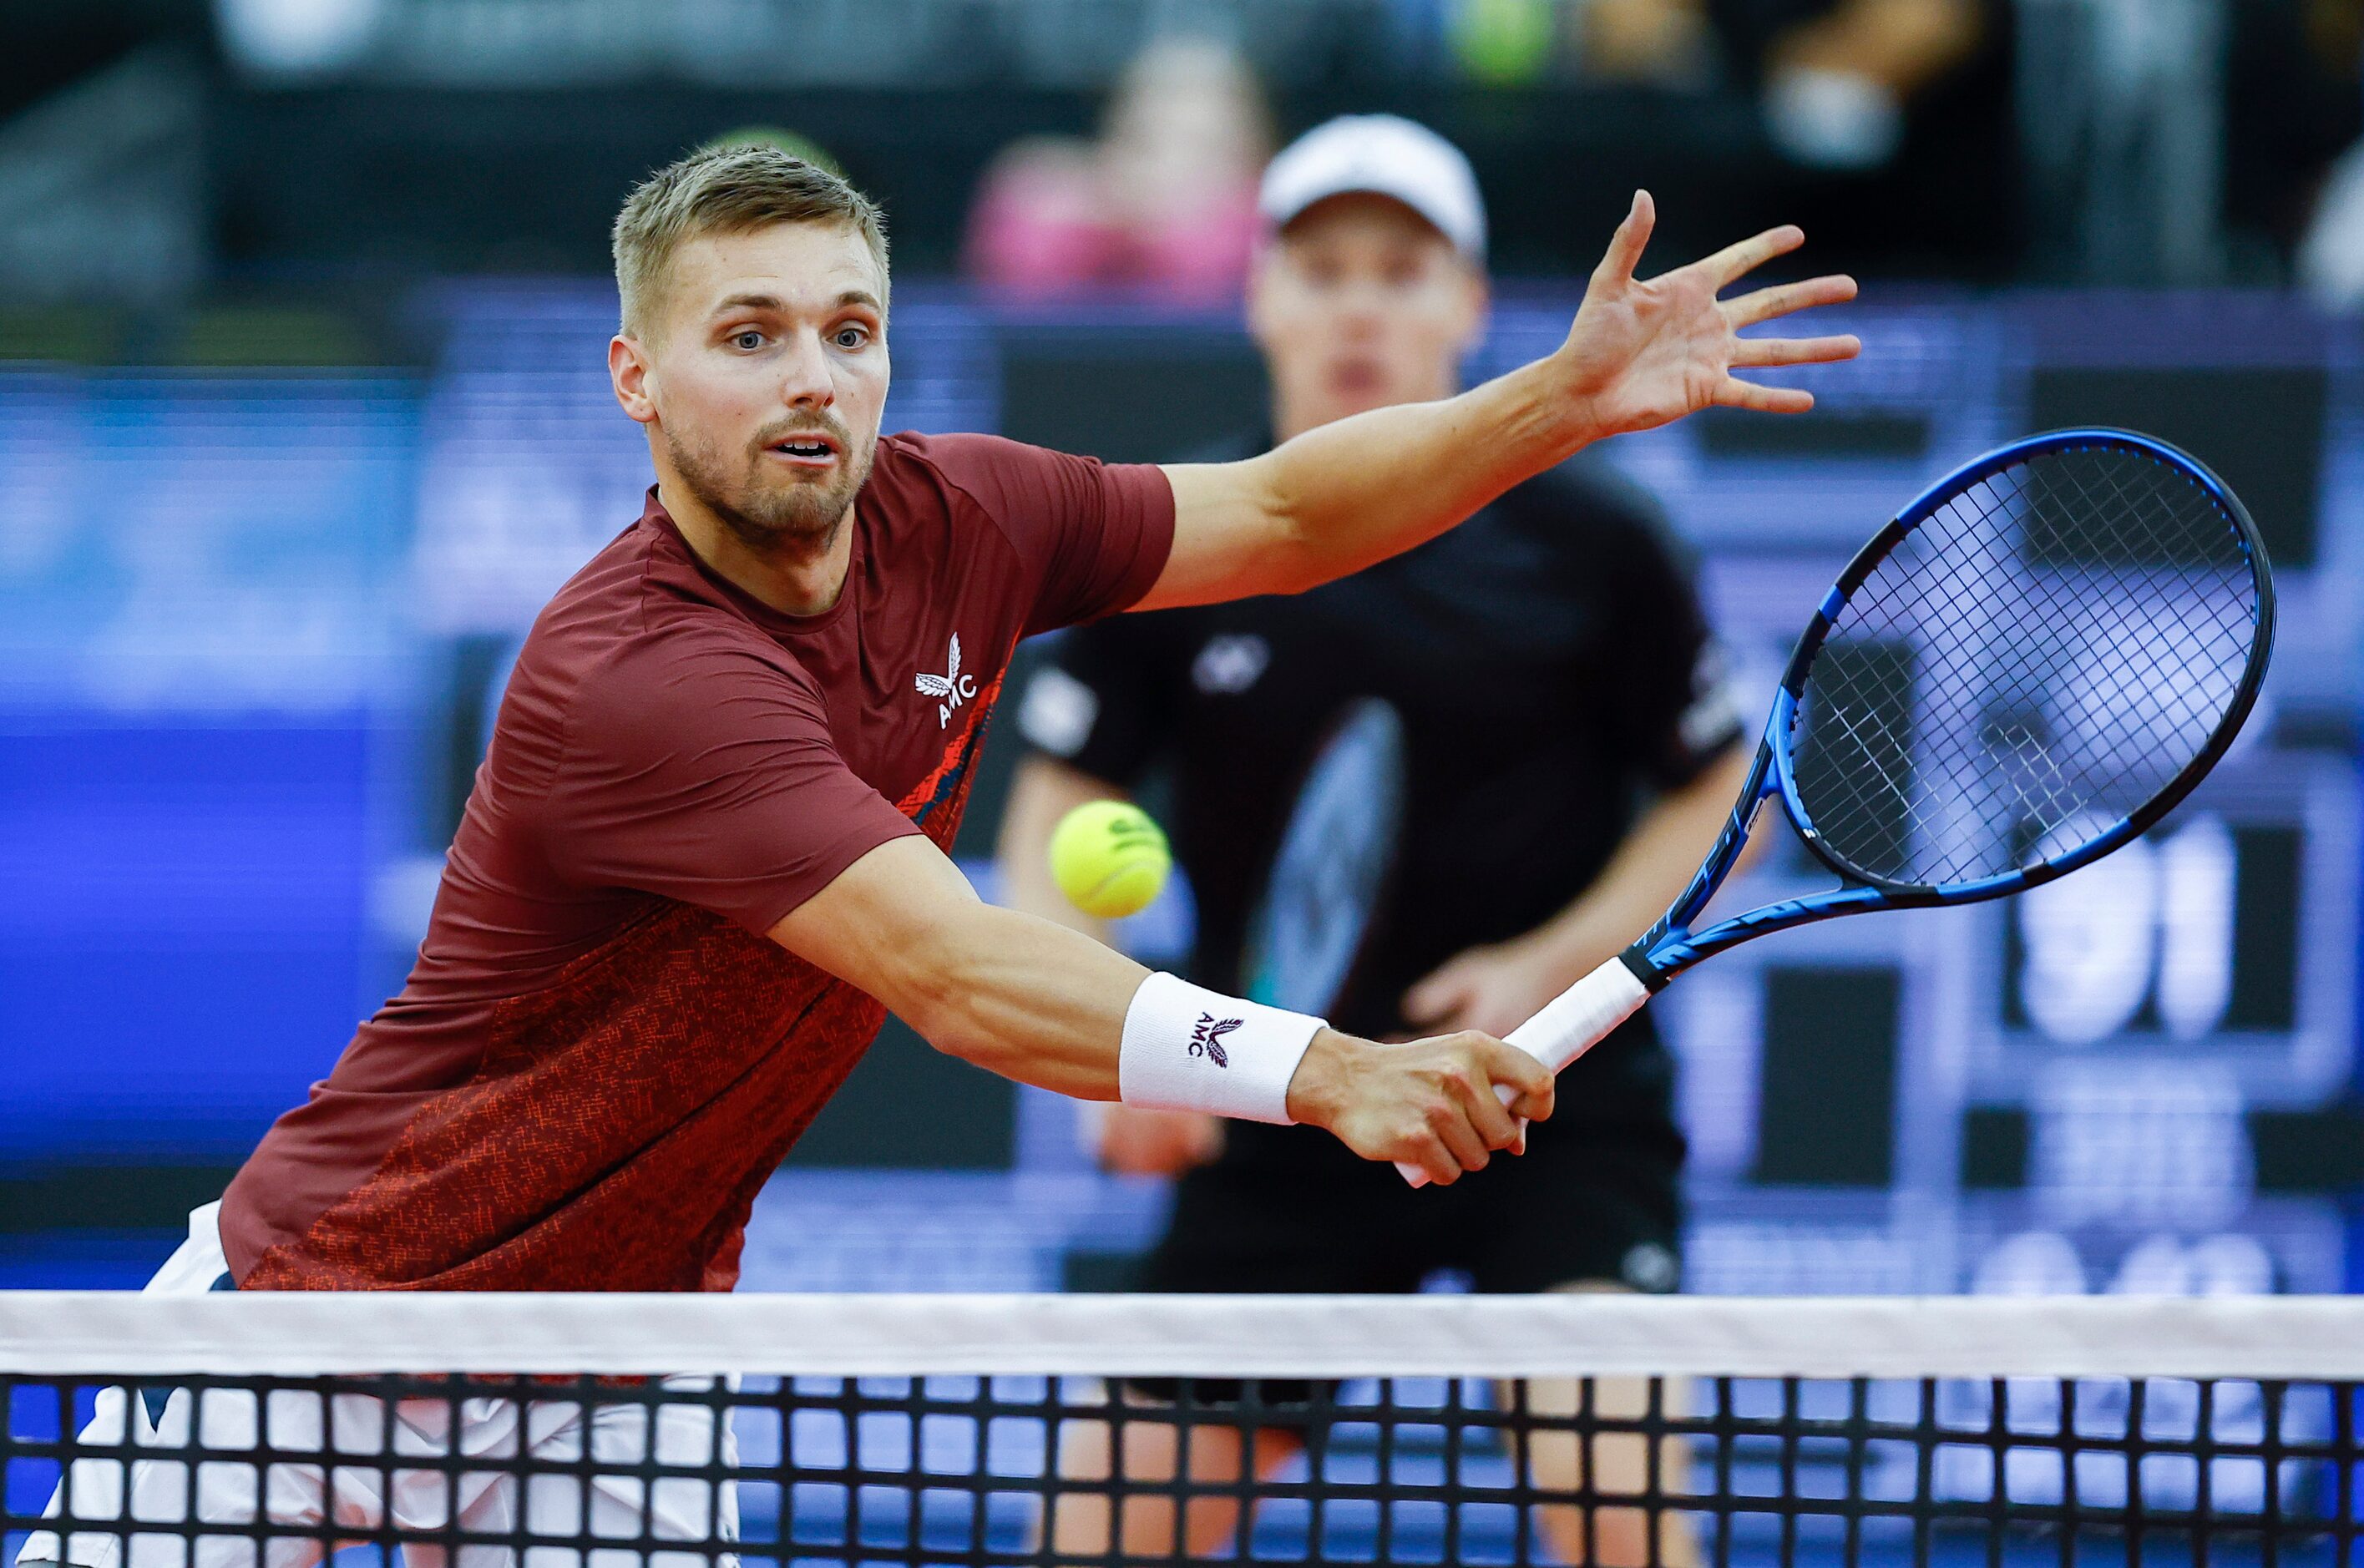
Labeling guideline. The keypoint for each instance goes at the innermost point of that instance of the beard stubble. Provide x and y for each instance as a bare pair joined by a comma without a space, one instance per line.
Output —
775,514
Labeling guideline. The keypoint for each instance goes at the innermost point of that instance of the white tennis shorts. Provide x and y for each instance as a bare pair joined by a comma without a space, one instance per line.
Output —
360,1480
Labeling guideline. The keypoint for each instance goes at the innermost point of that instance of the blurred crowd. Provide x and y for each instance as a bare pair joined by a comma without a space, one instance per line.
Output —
1932,116
1834,76
1162,197
161,146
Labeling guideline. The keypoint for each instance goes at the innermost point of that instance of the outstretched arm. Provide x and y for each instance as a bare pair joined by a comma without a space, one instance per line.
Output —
1043,1005
1640,354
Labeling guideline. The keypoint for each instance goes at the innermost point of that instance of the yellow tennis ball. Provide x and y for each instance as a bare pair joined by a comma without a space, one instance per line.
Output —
1110,859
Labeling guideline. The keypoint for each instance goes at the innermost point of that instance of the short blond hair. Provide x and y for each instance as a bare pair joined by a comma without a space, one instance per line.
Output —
726,190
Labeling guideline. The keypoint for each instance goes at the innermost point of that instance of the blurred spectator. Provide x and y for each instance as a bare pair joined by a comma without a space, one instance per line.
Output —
1885,125
1837,75
1039,222
1905,106
1664,43
1166,199
2295,98
2331,257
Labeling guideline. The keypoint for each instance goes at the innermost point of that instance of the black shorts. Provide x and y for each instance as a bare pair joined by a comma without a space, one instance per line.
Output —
1291,1210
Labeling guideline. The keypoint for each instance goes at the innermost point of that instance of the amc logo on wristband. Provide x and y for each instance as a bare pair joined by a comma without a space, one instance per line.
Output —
1174,1031
1206,1039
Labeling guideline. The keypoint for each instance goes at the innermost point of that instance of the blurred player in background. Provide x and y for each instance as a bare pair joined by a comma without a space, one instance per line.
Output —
1430,796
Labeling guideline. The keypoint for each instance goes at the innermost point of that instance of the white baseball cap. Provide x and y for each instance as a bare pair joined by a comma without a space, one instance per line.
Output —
1383,155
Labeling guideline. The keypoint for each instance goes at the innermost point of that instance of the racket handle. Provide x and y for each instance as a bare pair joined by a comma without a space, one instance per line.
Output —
1582,1017
1569,1025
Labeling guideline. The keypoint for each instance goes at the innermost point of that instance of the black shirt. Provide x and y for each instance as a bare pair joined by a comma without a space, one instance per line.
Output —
1440,751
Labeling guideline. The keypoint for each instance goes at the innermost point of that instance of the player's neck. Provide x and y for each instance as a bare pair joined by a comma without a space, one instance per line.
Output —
794,576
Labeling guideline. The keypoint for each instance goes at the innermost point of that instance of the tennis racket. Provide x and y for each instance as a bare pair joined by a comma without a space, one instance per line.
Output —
2027,667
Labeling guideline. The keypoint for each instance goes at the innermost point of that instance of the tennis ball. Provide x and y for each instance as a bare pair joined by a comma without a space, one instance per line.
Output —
1110,859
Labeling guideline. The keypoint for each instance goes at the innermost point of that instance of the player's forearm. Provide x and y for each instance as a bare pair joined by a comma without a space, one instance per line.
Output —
1041,1004
1639,355
1019,996
1046,1006
1014,994
1028,1000
1651,867
1358,491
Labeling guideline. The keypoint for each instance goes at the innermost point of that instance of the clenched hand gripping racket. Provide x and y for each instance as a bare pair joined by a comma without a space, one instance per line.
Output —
2026,668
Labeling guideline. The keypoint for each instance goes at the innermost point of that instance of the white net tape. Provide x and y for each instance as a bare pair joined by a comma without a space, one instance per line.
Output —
2296,1337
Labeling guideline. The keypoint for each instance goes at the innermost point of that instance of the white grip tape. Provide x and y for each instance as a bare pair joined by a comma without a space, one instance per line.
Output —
1582,1017
1189,1049
1568,1024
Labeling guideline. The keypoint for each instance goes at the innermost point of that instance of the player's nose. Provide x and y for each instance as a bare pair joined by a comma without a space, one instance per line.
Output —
1359,316
805,379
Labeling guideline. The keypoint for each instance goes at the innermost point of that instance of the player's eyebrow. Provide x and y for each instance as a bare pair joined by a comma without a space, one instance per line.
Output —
772,302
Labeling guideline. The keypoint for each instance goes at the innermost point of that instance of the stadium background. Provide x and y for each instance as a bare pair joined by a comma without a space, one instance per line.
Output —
303,413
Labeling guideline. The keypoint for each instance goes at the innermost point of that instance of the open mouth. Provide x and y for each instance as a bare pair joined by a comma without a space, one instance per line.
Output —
806,448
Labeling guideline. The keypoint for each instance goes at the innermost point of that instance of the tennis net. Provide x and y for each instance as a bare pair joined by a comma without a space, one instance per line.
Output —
166,1433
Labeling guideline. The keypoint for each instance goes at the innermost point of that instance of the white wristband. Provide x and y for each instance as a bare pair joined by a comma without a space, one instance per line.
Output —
1189,1049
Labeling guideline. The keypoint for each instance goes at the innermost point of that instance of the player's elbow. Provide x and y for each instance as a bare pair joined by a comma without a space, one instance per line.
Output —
1297,561
1287,562
1297,570
1291,560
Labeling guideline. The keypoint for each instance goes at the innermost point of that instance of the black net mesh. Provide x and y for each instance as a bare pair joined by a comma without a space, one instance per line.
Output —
2032,664
950,1470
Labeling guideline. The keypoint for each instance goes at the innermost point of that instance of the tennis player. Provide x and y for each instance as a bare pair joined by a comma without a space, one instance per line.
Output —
1430,796
705,854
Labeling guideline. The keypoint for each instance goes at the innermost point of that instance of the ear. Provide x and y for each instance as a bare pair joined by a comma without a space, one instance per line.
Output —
1477,299
1261,266
628,373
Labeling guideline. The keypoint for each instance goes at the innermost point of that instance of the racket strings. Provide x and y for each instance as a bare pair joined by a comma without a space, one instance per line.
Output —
2044,789
2195,644
2047,651
2046,794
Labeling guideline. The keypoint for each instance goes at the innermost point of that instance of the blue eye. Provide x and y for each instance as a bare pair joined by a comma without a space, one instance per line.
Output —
851,337
750,339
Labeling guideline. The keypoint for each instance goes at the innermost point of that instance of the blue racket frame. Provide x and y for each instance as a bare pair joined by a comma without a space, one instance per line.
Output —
1671,946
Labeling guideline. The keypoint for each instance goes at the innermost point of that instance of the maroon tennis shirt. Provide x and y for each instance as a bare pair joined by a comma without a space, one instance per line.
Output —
600,1057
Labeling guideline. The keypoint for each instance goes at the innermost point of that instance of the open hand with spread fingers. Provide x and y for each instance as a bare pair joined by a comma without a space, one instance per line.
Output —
1643,354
